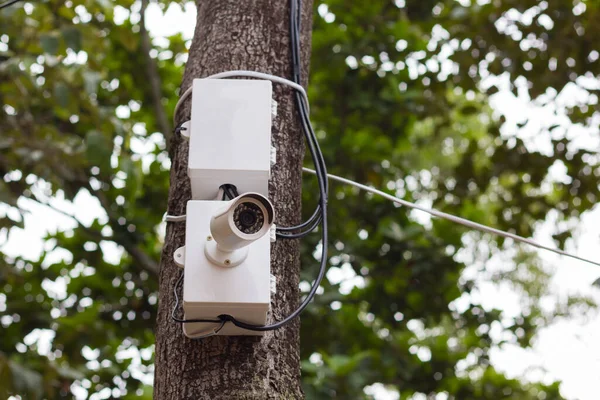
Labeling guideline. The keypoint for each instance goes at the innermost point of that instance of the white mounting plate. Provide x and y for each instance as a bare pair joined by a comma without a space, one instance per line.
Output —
209,290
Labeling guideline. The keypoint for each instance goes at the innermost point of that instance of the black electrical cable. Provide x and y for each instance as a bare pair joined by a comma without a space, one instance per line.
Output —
316,216
229,190
313,225
322,181
234,190
321,173
311,139
309,133
314,221
183,321
295,34
8,3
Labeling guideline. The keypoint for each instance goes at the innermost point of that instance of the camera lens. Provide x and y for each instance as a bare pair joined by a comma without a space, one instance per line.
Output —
248,218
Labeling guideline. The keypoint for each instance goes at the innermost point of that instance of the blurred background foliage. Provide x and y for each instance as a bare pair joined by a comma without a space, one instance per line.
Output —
400,95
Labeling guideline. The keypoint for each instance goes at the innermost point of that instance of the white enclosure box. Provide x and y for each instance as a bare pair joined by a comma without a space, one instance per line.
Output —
230,138
210,290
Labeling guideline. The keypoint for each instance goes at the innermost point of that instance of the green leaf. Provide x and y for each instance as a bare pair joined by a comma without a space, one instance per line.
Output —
135,176
61,92
91,80
130,42
469,109
49,43
5,377
72,37
342,364
26,381
69,373
146,394
396,232
98,149
6,194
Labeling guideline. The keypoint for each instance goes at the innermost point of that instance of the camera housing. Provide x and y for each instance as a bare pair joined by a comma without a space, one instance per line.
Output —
242,221
238,284
234,227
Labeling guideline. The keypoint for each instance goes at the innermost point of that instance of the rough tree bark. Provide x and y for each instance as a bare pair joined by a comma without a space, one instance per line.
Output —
230,35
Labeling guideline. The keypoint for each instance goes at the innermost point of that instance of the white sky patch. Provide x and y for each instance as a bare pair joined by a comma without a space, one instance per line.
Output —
173,21
41,220
143,146
421,217
41,338
568,349
345,277
380,392
111,252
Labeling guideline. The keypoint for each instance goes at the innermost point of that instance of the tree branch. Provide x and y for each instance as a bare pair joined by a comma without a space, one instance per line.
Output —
141,258
153,77
138,255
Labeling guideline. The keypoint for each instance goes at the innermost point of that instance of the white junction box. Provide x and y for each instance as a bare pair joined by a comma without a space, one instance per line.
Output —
230,136
242,291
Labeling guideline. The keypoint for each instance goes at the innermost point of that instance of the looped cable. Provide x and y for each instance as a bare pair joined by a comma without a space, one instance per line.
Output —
246,74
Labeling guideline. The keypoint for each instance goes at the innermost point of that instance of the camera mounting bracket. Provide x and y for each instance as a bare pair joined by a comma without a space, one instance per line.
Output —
224,258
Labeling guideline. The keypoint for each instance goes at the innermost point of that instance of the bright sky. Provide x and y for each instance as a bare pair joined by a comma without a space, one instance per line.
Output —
569,350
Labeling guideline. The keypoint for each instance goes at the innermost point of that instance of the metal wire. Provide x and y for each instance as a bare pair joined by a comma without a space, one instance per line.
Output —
8,3
453,218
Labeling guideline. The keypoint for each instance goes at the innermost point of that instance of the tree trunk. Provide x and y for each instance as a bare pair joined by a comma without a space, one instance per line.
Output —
252,35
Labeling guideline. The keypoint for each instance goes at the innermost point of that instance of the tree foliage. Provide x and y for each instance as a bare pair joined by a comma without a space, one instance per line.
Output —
400,96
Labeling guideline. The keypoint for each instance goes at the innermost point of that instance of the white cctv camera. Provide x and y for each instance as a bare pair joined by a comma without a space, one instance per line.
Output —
238,224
